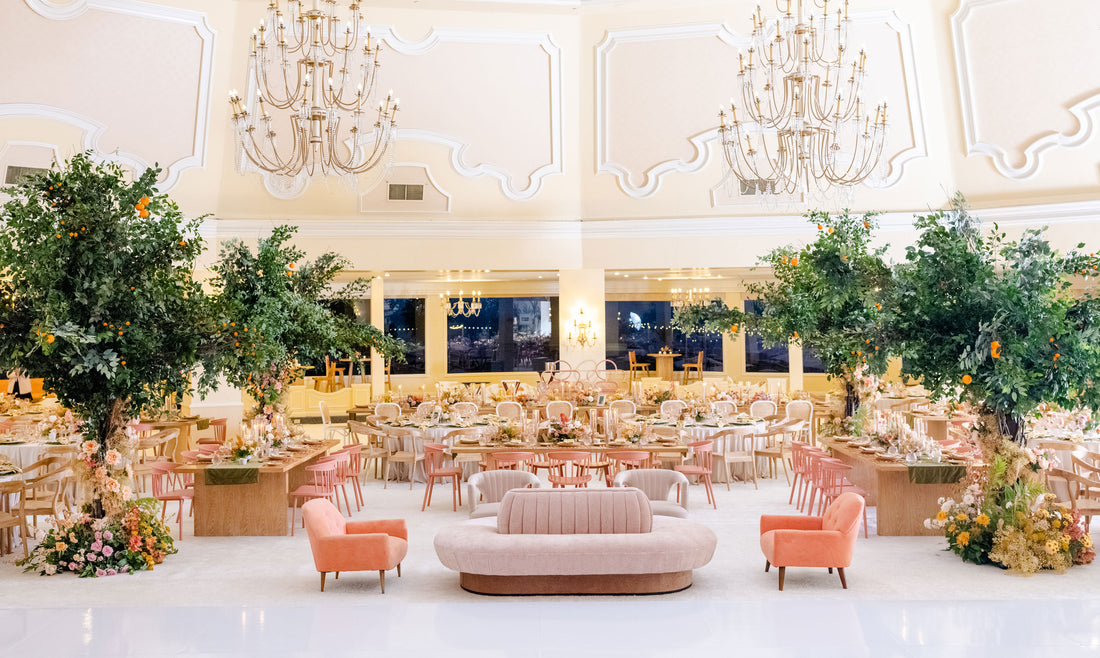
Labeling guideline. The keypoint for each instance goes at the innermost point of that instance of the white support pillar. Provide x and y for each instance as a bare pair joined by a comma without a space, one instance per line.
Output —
377,319
581,290
794,355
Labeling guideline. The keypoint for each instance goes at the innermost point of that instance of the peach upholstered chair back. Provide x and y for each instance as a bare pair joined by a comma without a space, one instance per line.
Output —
844,514
322,521
575,512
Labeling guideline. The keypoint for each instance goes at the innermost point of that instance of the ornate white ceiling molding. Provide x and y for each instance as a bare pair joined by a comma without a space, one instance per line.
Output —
405,229
517,190
92,132
77,8
704,144
1032,152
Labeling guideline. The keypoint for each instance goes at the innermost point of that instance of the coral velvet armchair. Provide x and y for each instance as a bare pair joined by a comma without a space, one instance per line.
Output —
340,545
813,541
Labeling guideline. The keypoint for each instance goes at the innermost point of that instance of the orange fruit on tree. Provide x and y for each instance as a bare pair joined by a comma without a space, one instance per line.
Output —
995,349
139,207
144,200
830,229
794,261
143,214
50,338
967,379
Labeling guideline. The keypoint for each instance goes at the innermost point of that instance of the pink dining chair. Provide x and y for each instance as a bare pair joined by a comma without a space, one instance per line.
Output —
834,482
703,451
569,468
798,469
511,461
625,460
434,454
323,485
813,478
168,486
343,472
355,469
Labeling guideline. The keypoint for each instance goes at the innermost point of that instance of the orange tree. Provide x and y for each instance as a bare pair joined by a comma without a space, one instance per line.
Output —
996,322
98,300
275,308
828,294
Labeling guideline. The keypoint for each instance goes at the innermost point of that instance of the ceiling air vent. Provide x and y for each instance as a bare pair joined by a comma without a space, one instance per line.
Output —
755,186
400,192
16,175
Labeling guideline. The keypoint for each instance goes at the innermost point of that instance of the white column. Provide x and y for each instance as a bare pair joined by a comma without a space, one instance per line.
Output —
794,354
435,341
377,319
581,290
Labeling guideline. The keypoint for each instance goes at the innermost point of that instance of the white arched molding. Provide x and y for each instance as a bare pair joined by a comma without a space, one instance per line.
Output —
382,180
91,130
1033,150
705,144
72,9
513,188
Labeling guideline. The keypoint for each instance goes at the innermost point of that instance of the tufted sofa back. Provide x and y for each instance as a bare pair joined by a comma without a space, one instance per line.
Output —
574,512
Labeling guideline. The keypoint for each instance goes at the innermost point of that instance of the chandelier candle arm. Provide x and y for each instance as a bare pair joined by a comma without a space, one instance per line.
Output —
321,71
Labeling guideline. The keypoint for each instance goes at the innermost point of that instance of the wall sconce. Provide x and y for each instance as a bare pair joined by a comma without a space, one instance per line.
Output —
582,333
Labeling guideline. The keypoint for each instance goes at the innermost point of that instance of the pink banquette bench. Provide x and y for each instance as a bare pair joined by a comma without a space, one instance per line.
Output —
575,541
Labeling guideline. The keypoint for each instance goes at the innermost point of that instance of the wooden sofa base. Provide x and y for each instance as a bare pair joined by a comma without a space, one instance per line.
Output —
648,583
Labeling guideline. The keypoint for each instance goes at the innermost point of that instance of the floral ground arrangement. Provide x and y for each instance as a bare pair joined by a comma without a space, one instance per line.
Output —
1007,517
91,547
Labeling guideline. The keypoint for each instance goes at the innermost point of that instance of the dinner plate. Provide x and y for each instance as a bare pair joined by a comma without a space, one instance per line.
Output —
889,458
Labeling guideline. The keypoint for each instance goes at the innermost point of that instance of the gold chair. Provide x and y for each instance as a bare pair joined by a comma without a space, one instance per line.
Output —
696,368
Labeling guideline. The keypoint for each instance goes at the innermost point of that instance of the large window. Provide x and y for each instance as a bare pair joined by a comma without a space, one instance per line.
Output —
811,363
510,334
759,358
644,328
405,320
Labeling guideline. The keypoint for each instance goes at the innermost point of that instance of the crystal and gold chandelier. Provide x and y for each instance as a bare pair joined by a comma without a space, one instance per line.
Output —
682,298
321,71
461,307
801,122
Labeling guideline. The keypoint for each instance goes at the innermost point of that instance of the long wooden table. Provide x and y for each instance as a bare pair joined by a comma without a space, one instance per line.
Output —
543,448
259,509
902,505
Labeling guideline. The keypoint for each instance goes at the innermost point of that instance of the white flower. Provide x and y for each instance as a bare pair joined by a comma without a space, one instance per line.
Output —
127,493
50,569
968,499
946,506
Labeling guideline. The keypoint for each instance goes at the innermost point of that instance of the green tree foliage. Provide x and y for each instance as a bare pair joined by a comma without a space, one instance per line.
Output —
275,309
994,321
828,294
98,299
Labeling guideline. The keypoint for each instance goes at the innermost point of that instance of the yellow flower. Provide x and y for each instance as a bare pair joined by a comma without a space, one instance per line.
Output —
1086,541
1051,547
960,517
963,539
941,515
951,528
983,519
1065,542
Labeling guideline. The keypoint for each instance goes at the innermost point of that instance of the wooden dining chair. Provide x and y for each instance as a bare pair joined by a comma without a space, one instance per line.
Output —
637,366
694,370
568,468
370,440
12,515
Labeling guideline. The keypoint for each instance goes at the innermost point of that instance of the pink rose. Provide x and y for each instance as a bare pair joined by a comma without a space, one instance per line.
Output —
100,573
108,551
108,535
112,572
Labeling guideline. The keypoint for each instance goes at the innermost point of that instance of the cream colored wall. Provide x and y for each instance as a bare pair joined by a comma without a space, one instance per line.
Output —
516,114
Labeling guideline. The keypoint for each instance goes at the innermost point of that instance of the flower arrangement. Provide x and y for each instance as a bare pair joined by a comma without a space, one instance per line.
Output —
656,396
59,428
90,548
632,431
1006,517
563,430
242,446
507,431
13,406
269,387
414,400
106,470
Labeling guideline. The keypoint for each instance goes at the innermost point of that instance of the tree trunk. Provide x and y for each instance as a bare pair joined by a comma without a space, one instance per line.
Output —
1012,426
851,399
105,431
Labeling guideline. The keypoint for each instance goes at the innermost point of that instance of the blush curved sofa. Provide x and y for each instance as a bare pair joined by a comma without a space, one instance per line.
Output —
575,541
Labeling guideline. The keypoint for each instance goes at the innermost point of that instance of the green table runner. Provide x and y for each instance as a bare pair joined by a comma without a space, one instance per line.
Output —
934,473
232,474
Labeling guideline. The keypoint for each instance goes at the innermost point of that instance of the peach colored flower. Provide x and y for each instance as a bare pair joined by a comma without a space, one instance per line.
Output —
113,457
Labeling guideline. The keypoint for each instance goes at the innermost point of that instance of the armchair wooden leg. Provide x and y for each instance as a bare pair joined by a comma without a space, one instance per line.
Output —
830,569
782,574
382,579
398,569
767,566
337,575
843,580
322,581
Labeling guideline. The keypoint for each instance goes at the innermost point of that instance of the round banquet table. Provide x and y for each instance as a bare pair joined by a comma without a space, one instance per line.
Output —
25,454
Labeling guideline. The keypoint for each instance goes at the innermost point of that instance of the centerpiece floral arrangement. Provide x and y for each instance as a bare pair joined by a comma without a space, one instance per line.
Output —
655,396
242,447
59,429
1006,517
632,431
507,431
13,406
91,547
564,430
